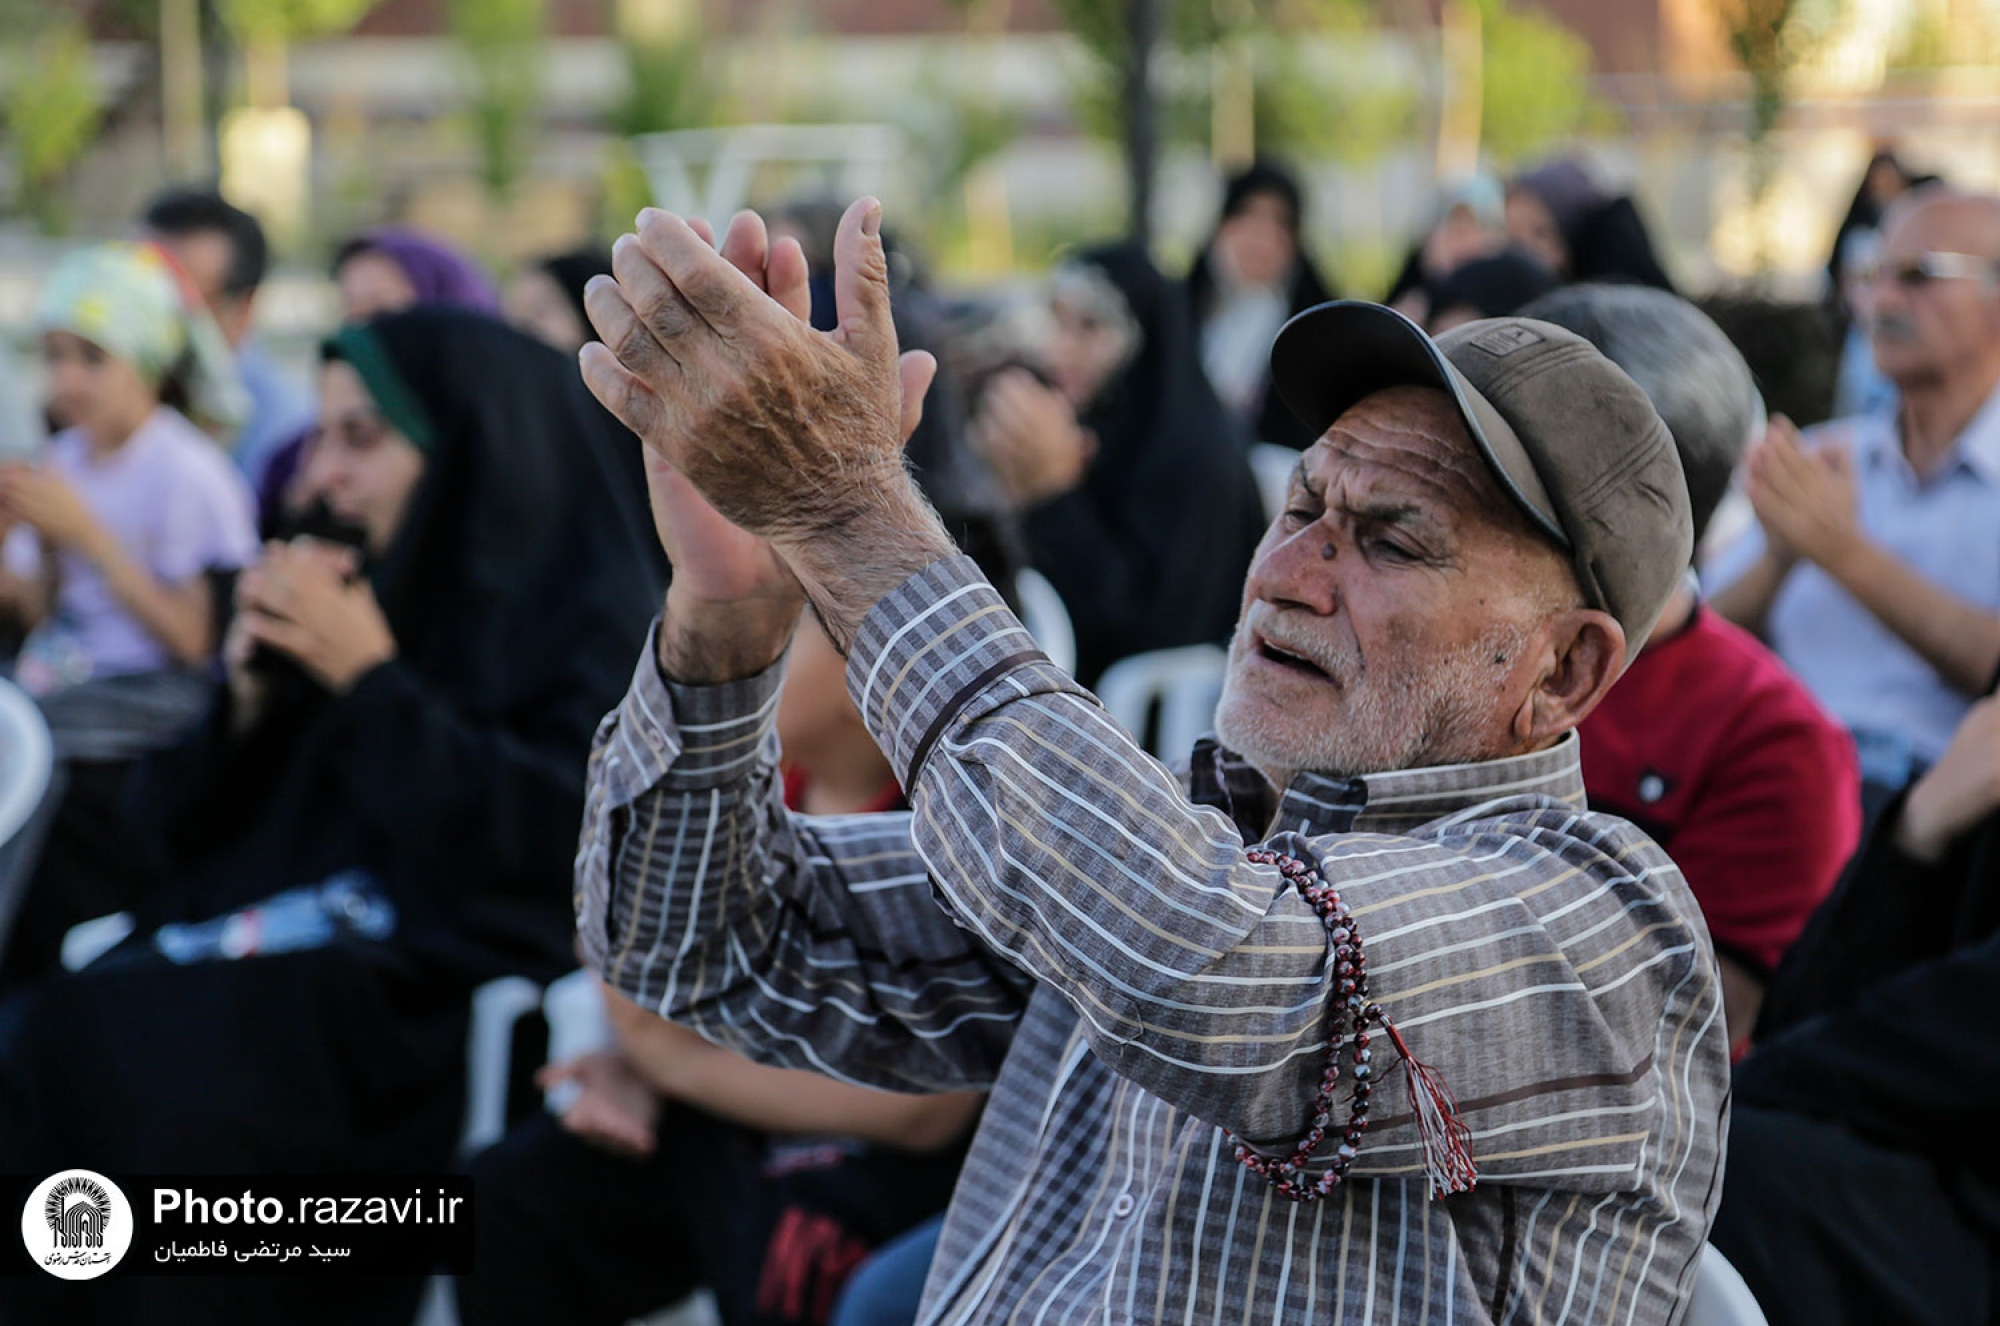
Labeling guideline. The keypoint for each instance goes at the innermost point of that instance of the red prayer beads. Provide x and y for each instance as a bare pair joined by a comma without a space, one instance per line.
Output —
1447,1150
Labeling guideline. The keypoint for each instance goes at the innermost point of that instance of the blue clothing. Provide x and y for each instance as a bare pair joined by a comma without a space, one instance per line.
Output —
1946,528
1860,388
889,1287
281,410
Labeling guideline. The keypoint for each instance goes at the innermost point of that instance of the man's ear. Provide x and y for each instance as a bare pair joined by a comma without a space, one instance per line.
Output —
1585,654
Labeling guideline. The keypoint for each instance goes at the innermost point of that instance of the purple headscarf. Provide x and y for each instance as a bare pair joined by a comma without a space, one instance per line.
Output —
436,271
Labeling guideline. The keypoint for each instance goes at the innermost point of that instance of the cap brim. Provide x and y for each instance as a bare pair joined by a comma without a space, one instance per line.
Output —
1332,356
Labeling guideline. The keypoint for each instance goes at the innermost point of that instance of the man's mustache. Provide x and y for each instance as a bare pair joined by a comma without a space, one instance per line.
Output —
1891,327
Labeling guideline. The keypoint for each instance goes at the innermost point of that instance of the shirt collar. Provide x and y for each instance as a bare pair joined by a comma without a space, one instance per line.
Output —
1878,439
1978,447
1396,802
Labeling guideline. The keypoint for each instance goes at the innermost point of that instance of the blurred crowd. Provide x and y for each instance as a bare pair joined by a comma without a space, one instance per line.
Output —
321,660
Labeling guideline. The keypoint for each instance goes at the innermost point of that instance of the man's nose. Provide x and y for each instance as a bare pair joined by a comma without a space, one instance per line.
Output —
1301,570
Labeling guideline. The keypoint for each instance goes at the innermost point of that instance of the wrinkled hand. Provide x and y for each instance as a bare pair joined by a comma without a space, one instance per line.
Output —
614,1108
301,602
789,434
776,424
1960,790
43,499
1804,498
713,560
1029,434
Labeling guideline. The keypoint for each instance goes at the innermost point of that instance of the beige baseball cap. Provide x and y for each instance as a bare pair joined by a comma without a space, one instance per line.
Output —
1572,439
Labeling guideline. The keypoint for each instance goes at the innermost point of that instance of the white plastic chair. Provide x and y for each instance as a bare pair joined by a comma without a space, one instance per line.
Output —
1273,465
578,1024
489,1059
1184,683
489,1056
27,763
1047,619
1720,1297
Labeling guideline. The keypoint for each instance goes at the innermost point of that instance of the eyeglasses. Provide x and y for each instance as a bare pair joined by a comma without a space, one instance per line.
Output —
1916,272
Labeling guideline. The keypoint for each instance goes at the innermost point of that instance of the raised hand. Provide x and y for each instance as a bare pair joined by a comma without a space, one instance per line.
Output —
714,561
788,433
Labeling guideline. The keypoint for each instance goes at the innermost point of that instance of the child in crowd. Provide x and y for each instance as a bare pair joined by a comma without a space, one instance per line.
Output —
112,541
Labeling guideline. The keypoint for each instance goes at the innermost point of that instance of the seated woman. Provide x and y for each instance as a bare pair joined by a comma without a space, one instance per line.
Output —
1135,489
376,273
115,544
545,298
1252,275
111,541
379,814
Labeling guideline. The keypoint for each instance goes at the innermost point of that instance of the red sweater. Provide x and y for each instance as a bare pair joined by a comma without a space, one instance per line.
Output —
1710,745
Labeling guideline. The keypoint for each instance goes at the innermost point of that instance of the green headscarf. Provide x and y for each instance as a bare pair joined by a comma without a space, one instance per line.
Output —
359,346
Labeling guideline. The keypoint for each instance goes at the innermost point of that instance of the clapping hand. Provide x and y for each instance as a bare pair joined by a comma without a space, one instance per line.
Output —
1804,497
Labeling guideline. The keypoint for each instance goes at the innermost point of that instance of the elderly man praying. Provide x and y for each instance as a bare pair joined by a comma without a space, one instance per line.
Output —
1368,1020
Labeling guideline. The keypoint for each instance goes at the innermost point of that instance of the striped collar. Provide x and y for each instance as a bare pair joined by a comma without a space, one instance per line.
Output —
1395,802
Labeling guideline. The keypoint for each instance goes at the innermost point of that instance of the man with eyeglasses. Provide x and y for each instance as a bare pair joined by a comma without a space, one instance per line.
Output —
1875,570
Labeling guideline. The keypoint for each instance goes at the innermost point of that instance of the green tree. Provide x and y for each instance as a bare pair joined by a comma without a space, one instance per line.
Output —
1535,83
290,20
1770,38
502,41
1299,103
52,106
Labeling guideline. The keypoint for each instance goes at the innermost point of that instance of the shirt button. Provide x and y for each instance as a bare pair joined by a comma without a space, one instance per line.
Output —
1124,1206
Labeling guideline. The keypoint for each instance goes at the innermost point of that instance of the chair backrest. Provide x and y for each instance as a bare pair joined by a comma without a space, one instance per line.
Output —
1720,1297
27,765
27,759
489,1057
1273,465
1047,619
1183,683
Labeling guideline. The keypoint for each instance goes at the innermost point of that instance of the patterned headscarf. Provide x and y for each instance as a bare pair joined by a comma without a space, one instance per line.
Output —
123,299
130,302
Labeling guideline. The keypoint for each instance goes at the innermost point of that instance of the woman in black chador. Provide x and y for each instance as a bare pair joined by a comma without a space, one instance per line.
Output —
380,813
1135,487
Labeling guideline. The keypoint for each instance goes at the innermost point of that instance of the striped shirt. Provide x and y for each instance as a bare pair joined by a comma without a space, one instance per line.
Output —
1061,920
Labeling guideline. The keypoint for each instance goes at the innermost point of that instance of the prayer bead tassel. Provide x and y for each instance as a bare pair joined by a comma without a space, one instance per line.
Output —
1447,1142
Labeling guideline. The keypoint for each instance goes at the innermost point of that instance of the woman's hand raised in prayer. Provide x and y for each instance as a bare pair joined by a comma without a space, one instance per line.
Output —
1029,434
790,434
305,601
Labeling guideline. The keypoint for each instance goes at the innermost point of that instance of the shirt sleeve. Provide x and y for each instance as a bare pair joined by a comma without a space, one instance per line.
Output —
1551,971
22,553
210,525
808,942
